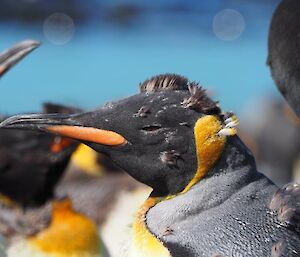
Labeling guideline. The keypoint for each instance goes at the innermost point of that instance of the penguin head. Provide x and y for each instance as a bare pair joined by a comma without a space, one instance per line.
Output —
168,136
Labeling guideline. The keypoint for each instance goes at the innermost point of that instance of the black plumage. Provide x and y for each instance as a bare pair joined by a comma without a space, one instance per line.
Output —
31,164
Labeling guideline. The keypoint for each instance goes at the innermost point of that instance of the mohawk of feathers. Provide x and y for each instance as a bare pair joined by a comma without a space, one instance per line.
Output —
198,101
164,82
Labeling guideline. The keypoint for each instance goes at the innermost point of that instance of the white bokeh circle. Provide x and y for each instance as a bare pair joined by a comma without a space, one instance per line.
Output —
59,28
228,24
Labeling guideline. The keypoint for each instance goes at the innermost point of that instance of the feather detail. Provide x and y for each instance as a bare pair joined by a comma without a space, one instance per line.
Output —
164,82
200,102
286,203
278,249
170,157
142,112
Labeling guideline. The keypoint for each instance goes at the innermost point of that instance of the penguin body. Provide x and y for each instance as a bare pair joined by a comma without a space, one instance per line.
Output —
31,164
208,198
103,194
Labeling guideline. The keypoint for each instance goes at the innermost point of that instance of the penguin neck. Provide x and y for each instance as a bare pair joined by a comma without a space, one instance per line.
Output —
235,168
233,172
236,160
144,243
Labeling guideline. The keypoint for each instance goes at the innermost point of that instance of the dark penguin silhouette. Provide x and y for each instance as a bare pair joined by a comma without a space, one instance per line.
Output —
208,199
31,163
284,51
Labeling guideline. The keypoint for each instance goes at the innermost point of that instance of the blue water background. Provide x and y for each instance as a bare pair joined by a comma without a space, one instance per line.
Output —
105,62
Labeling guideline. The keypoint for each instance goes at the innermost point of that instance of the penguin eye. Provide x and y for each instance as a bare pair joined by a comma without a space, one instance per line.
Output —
151,128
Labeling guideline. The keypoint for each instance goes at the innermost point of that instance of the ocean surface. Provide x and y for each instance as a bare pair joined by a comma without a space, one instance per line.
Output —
101,63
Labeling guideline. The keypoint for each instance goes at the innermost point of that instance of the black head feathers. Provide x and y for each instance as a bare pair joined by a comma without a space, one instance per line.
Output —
198,101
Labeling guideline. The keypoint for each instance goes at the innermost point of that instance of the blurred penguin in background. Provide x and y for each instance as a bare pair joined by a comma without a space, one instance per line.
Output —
283,61
274,138
284,51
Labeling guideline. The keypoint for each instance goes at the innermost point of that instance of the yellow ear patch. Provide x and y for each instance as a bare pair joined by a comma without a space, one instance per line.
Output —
209,146
69,233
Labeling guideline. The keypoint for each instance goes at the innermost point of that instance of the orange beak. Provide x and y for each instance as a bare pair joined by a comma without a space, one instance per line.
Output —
100,136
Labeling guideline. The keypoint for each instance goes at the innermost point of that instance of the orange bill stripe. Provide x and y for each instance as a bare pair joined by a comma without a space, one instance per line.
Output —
100,136
60,143
2,69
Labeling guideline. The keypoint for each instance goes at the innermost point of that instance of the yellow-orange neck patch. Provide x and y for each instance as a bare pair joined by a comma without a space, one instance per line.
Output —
144,243
69,233
209,146
86,159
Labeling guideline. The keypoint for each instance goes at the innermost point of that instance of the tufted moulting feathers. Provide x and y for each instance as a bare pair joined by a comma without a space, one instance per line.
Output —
198,101
164,82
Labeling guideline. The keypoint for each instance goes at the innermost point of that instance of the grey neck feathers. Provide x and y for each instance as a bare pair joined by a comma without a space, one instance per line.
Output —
233,174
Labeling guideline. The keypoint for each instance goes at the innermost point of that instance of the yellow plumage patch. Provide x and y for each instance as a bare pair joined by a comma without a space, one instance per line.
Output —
85,158
69,234
144,243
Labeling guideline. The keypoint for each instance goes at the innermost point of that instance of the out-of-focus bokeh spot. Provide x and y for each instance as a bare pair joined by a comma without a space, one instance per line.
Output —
228,24
59,28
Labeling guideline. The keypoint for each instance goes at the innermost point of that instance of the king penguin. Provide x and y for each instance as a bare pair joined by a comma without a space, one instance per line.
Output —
207,199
